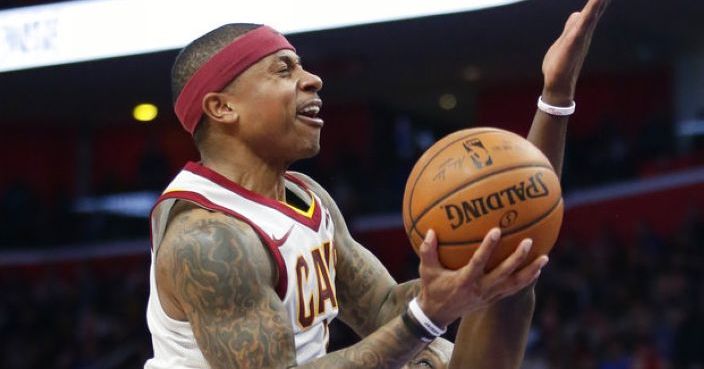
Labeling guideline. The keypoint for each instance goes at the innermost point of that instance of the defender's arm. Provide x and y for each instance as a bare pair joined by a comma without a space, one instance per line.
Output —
561,67
508,321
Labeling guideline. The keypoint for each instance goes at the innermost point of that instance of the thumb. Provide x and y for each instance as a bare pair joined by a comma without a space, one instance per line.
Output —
429,250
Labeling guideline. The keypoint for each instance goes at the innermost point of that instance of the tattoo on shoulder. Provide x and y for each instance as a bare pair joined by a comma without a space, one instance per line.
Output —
220,273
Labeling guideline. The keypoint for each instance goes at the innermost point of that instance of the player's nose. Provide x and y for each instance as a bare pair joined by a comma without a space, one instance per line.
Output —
311,82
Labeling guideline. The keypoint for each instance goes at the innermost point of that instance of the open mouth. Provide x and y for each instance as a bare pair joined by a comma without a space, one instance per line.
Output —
309,112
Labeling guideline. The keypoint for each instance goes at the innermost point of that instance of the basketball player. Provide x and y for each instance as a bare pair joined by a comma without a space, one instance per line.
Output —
250,262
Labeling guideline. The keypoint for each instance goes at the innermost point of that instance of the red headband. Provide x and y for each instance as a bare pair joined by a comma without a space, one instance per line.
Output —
224,67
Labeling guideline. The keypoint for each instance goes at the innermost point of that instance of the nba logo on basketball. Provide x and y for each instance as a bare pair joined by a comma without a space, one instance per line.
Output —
478,153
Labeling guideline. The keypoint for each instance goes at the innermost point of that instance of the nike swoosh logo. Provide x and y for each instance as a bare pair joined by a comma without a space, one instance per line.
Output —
280,241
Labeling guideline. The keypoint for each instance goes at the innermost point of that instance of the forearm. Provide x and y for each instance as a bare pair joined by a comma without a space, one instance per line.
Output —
391,346
549,132
495,337
397,300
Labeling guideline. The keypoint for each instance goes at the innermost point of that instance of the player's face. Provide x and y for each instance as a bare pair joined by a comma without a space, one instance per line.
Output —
278,104
435,356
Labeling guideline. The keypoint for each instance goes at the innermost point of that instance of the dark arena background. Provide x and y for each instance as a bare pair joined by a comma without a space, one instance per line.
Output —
625,285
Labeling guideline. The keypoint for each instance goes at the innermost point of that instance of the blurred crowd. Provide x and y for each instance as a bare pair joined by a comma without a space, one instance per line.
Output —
610,304
89,315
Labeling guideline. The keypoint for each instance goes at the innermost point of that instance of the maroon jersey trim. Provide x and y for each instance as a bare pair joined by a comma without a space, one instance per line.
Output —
312,222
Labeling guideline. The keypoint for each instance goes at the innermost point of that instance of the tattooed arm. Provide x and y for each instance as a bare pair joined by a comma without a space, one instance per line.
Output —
213,271
368,295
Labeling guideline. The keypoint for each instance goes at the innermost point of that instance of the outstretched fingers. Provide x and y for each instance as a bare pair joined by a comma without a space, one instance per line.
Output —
518,281
594,9
580,26
592,12
508,266
475,269
524,277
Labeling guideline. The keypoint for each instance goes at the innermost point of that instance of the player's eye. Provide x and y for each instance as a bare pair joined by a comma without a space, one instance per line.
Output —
423,363
284,68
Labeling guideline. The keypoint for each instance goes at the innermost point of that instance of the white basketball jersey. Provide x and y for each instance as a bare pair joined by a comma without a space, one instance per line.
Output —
300,242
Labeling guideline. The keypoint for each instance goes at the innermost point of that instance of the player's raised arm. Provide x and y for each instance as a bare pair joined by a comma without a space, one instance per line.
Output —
561,67
495,337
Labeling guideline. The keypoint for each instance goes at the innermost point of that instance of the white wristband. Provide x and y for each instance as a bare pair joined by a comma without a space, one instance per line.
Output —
556,110
423,319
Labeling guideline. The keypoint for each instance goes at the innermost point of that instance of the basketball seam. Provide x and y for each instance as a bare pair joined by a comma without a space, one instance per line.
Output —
527,225
422,170
465,184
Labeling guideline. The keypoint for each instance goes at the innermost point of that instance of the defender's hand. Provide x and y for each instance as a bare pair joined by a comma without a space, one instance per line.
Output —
448,294
564,60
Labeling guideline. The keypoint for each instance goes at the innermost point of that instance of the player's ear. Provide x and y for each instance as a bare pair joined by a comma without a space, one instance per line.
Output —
219,109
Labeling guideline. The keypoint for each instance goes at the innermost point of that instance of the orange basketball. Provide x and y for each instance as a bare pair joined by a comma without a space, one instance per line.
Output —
476,179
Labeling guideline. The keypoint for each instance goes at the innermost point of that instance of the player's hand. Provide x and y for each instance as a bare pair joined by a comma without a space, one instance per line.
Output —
448,294
564,60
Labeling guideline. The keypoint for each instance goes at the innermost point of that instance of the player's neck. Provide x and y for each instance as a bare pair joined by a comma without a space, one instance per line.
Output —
250,172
